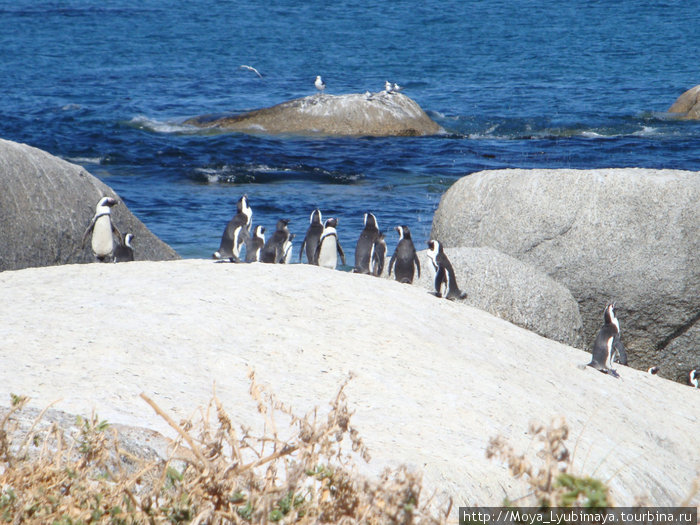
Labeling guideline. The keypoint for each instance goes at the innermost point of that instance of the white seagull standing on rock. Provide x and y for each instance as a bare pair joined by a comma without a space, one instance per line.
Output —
320,84
388,87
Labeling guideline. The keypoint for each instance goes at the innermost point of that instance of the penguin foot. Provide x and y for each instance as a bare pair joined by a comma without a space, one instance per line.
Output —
613,373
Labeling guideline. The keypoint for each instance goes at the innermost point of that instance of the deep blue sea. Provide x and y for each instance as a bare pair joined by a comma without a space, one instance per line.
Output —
516,84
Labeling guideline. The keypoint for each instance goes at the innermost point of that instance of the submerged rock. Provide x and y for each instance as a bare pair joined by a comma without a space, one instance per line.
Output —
624,235
375,114
47,203
687,106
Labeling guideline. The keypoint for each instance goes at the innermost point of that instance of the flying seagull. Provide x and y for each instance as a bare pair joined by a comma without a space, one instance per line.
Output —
250,68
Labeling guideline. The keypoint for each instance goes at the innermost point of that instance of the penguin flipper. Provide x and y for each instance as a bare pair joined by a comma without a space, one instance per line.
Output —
87,231
415,258
301,250
391,264
119,234
340,252
620,349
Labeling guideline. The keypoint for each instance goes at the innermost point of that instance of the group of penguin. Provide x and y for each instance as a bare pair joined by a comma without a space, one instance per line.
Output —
322,248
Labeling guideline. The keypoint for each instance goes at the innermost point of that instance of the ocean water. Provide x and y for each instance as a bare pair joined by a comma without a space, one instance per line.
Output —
516,84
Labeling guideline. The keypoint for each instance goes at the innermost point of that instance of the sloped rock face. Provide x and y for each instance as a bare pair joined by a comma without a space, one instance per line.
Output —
377,114
433,380
45,206
512,290
687,106
628,235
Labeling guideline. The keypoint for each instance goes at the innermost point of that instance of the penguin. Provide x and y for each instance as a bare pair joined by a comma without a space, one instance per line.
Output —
236,233
366,244
445,279
694,378
274,249
653,370
328,247
255,244
604,348
378,256
404,257
287,249
102,229
125,252
313,234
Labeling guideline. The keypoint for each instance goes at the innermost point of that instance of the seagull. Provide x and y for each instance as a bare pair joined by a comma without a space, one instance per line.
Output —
250,68
388,87
320,84
397,88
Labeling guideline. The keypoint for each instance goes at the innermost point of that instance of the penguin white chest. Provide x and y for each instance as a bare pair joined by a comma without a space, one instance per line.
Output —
102,240
328,253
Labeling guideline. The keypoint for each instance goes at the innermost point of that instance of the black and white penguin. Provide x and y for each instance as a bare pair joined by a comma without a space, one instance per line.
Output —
378,256
653,370
287,249
274,249
604,350
102,229
328,247
313,235
694,378
445,279
405,257
124,252
236,232
255,244
365,245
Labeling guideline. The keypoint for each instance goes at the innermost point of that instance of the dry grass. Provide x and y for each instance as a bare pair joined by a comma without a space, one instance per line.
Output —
214,474
551,482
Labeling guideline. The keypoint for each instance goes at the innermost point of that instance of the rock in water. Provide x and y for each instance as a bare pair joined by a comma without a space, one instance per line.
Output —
379,114
45,205
623,235
687,106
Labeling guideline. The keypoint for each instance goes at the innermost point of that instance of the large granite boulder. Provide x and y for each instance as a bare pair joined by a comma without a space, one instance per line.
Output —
47,203
628,235
433,380
376,114
687,106
512,290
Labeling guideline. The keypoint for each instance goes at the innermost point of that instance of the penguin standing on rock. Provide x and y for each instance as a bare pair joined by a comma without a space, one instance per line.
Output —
236,233
313,235
378,256
275,249
102,229
255,244
604,349
328,247
125,252
445,279
366,245
404,257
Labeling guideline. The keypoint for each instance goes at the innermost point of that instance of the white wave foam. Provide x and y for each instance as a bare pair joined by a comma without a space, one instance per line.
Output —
85,160
143,122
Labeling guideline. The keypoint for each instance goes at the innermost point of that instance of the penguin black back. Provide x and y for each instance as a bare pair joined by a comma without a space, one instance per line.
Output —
603,347
313,236
274,249
405,261
236,232
365,244
445,279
